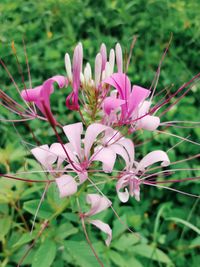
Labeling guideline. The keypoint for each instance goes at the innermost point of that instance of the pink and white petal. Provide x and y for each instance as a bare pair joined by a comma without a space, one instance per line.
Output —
153,157
90,136
137,96
120,82
129,146
144,108
73,133
111,103
98,203
103,52
67,186
149,123
107,156
121,184
77,66
44,156
119,150
104,227
57,149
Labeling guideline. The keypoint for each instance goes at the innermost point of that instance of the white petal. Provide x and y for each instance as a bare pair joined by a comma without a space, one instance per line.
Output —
91,134
119,59
98,203
68,67
153,157
98,67
67,185
107,156
44,156
123,196
73,133
112,60
104,227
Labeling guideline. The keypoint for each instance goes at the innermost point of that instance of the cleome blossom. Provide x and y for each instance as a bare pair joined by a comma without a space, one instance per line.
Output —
131,177
79,154
126,105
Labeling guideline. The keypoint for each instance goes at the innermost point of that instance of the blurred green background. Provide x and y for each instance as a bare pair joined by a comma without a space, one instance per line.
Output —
167,221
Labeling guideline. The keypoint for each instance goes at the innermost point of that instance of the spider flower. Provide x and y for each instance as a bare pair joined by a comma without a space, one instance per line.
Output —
104,149
130,102
130,180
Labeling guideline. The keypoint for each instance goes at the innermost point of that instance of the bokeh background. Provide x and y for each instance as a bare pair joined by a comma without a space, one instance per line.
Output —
167,221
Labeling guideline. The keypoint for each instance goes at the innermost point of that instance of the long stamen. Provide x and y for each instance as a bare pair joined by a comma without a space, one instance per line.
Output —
172,189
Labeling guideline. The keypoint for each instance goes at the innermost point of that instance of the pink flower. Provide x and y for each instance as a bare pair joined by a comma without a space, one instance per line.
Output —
82,155
40,95
130,180
98,204
129,102
72,99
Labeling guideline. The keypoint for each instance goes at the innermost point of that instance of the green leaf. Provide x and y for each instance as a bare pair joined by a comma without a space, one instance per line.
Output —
44,212
65,230
26,238
82,254
186,223
117,259
153,253
125,242
45,254
5,224
119,226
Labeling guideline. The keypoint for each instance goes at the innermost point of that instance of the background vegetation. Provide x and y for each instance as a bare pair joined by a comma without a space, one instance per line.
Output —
167,221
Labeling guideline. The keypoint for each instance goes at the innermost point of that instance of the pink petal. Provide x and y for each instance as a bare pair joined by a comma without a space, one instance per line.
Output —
121,82
77,66
66,185
91,134
122,182
118,149
72,99
111,103
41,94
137,96
107,156
44,156
73,133
149,123
129,146
98,203
57,149
103,52
104,227
153,157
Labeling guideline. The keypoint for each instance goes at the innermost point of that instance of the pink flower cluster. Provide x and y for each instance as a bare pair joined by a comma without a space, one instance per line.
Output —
109,102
